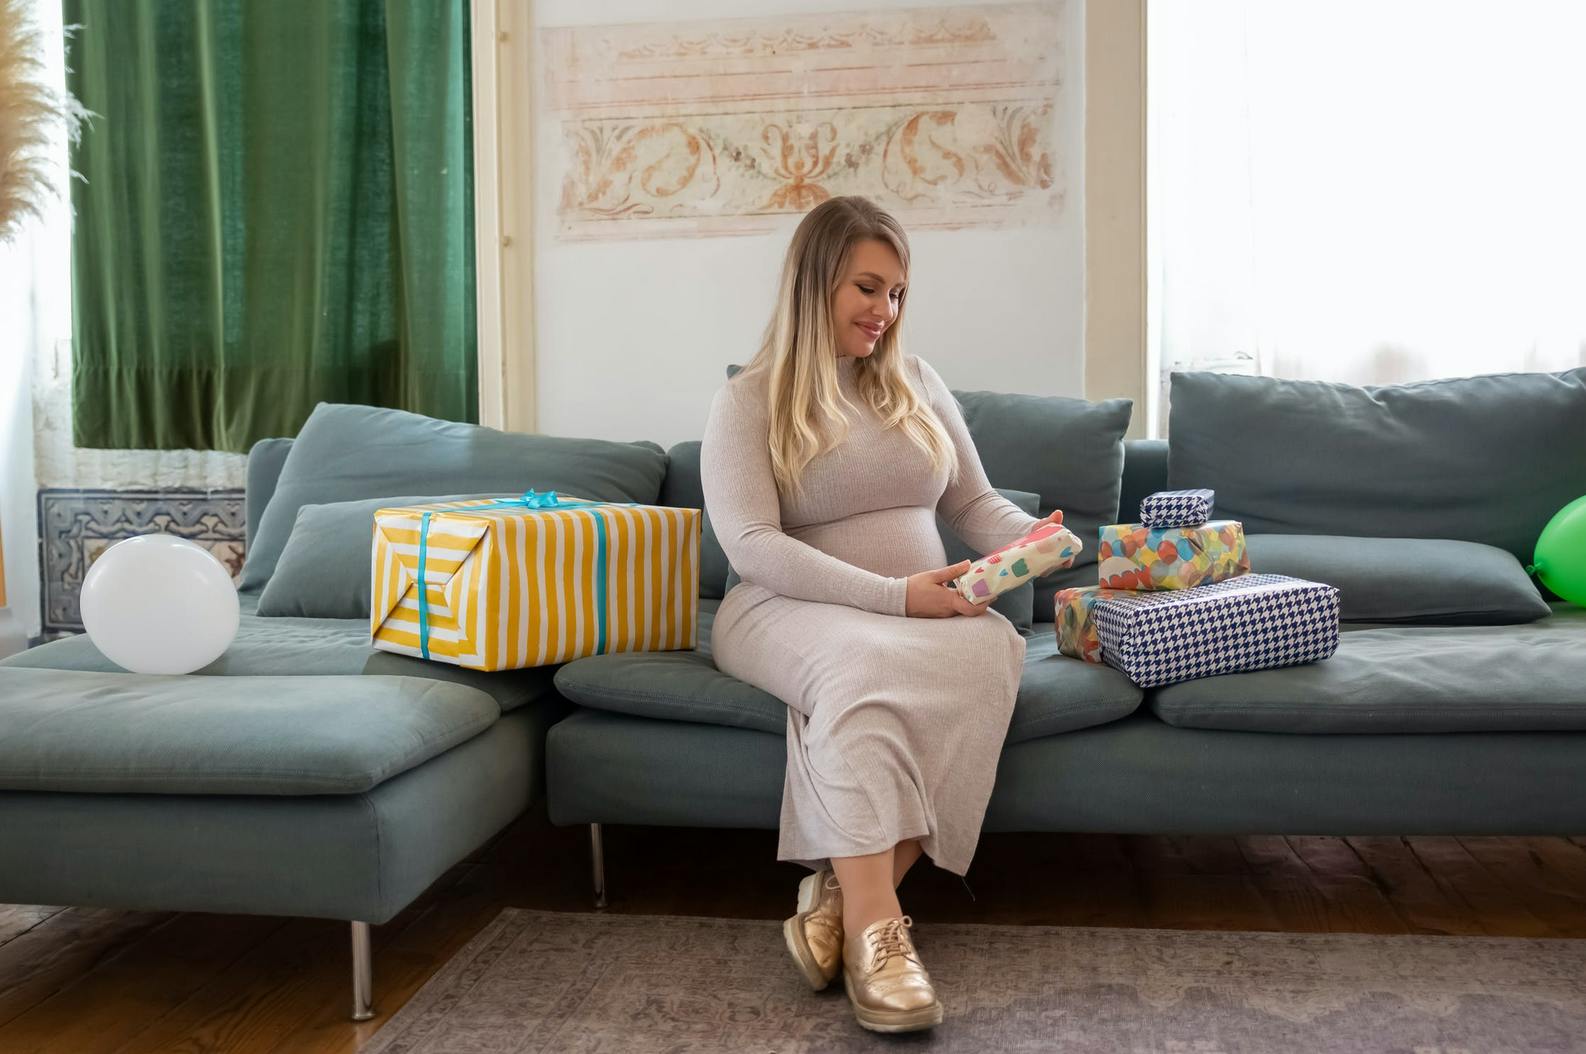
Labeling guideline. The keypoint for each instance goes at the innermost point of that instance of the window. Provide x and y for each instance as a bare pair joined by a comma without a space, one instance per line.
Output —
1366,192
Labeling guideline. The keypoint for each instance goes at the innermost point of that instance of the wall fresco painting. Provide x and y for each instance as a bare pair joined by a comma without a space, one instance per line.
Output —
946,116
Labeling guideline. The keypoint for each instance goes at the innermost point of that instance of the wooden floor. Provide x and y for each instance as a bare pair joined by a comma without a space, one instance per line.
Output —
83,981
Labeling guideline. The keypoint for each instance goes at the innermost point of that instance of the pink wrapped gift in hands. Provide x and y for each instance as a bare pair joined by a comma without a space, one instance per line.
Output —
1048,548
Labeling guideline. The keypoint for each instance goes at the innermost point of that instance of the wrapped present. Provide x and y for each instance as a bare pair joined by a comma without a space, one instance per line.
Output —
1134,556
533,580
1177,508
1076,620
1253,622
1046,549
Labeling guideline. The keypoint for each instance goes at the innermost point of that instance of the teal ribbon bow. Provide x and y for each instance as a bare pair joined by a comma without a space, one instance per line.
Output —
530,500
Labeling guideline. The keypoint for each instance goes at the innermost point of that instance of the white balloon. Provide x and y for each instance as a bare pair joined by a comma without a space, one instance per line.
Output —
159,604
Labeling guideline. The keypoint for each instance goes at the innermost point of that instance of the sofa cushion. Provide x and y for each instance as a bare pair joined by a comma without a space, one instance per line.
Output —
266,647
136,734
716,575
1489,459
1430,581
265,459
1407,679
1056,694
323,570
329,856
682,490
346,453
1016,605
1060,694
1069,451
1144,473
676,685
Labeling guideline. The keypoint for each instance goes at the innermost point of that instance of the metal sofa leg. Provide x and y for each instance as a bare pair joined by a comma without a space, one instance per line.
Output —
362,974
597,857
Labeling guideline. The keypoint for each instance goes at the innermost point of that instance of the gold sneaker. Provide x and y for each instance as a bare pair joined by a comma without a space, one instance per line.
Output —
815,935
886,982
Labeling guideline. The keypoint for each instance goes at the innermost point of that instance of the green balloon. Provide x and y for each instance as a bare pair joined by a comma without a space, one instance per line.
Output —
1561,553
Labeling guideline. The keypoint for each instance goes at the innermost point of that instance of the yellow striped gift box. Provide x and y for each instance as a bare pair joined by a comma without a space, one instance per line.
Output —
509,585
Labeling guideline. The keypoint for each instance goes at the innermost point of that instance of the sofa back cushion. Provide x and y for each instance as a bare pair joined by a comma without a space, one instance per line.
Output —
1144,473
682,490
347,453
1016,605
323,570
1415,581
265,459
716,576
1069,451
1484,459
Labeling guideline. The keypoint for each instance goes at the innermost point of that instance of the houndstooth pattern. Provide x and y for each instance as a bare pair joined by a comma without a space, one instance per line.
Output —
1253,622
1177,508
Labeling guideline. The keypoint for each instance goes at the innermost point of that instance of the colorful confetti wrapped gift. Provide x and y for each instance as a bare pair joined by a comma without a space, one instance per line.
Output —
1134,556
1177,508
533,580
1076,620
1253,622
1046,549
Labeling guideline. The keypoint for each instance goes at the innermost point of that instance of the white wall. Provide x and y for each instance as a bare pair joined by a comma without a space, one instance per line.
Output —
20,330
35,311
632,336
1419,217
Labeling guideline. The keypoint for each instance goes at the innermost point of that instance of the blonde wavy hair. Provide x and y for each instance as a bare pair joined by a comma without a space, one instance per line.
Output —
798,356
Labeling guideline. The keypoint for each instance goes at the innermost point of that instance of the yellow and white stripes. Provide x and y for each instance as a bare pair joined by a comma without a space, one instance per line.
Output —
514,587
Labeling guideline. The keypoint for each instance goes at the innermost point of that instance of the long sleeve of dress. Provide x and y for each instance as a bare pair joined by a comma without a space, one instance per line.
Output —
740,493
984,519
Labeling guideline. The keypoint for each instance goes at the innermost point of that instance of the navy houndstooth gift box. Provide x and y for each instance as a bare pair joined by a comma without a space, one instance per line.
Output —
1252,622
1177,508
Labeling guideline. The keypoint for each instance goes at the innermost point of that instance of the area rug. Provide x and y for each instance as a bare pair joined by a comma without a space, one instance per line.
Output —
625,984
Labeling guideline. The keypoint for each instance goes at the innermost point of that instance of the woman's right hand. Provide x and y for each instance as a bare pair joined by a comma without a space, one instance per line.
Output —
930,596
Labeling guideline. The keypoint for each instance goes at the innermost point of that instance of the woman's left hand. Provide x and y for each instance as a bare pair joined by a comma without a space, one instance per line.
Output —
1056,517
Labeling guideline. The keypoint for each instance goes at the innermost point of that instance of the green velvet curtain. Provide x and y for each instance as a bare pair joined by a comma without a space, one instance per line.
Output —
278,210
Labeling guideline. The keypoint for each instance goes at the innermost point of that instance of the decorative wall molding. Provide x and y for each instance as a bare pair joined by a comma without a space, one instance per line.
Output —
945,116
75,526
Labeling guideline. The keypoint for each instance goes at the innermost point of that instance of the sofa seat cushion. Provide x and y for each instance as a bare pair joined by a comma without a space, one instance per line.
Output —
672,685
266,647
122,733
1056,694
1407,679
1060,694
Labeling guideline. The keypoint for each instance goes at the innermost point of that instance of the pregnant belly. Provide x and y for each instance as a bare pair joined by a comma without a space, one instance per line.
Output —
894,542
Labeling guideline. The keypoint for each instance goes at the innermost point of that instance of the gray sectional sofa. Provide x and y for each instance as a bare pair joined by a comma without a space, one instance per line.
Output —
305,774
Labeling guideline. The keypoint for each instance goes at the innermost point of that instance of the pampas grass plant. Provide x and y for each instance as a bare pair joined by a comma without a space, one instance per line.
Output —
30,111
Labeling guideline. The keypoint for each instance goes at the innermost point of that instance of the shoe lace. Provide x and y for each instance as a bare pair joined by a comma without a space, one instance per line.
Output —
891,941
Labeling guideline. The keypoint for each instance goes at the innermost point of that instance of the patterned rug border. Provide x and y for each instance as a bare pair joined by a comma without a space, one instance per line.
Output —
442,984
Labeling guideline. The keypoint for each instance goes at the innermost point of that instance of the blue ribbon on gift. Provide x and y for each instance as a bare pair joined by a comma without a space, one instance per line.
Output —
530,500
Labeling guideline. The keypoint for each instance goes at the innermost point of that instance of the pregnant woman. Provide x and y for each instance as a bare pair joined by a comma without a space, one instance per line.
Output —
825,461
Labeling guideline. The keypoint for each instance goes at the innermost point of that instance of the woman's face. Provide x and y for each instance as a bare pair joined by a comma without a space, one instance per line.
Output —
867,297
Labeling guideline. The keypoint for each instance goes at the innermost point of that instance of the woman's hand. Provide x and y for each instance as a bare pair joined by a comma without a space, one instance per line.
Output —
1055,517
930,596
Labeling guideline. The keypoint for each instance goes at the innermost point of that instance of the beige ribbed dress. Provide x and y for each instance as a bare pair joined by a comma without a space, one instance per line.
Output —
895,724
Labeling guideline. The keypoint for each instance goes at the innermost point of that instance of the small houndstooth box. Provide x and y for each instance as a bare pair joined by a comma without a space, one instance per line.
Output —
1253,622
1177,508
